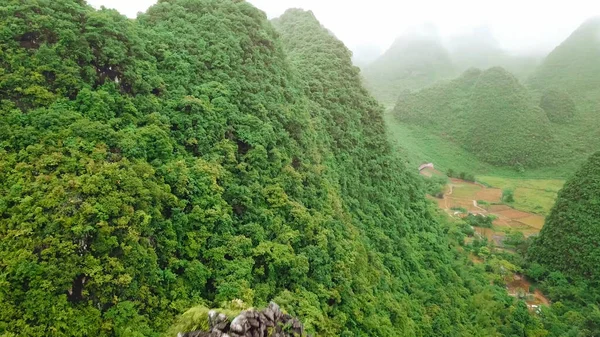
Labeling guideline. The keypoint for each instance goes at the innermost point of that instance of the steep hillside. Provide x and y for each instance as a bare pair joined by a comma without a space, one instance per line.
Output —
195,156
373,183
488,113
567,85
573,66
411,63
569,240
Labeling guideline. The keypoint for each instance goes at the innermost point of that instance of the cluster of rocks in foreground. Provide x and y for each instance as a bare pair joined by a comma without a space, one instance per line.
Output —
270,322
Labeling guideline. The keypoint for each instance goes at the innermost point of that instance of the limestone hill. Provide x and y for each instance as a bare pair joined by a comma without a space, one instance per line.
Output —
569,239
411,63
488,113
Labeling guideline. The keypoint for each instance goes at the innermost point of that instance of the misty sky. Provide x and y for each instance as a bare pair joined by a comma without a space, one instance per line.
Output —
520,26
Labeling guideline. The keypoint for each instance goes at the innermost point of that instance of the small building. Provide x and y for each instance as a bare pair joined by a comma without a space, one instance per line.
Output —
424,166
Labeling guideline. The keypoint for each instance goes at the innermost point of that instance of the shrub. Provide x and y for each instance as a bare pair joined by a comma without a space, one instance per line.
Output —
508,195
459,209
477,220
536,271
435,185
467,229
514,239
461,175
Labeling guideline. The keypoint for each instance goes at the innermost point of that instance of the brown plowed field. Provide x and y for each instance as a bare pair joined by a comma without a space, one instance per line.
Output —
489,194
513,214
498,208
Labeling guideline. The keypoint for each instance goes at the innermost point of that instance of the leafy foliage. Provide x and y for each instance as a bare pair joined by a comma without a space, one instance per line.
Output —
461,175
568,240
558,105
194,156
508,195
435,185
478,220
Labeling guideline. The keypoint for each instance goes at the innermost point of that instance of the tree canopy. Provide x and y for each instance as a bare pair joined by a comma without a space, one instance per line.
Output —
569,240
200,154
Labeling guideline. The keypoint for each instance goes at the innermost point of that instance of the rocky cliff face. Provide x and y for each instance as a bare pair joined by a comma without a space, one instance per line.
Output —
251,323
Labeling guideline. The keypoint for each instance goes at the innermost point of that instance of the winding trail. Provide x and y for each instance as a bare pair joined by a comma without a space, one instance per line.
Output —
476,205
447,194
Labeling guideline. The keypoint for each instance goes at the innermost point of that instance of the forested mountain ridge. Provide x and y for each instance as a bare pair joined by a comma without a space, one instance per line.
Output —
194,156
560,96
411,63
573,65
488,113
416,61
568,241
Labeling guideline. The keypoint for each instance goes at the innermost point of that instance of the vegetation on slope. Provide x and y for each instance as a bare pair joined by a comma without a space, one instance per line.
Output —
411,63
565,87
149,166
181,159
558,106
488,113
573,66
568,84
569,240
382,211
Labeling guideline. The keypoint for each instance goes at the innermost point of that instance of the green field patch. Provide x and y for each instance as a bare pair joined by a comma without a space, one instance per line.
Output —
466,191
535,221
531,195
418,145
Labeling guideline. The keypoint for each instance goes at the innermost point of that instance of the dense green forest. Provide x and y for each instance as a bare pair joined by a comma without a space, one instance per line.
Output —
564,85
569,240
563,259
488,113
201,154
416,61
549,120
191,157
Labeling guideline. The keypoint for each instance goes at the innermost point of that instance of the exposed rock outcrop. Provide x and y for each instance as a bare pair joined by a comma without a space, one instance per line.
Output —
270,322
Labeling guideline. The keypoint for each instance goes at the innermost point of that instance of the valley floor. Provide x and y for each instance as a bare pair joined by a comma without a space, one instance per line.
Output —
463,197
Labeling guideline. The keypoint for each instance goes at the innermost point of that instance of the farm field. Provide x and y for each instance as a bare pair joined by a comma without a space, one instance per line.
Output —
534,190
462,196
531,195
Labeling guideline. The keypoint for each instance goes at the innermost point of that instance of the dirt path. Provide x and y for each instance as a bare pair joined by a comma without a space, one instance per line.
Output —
519,287
477,206
447,195
463,194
